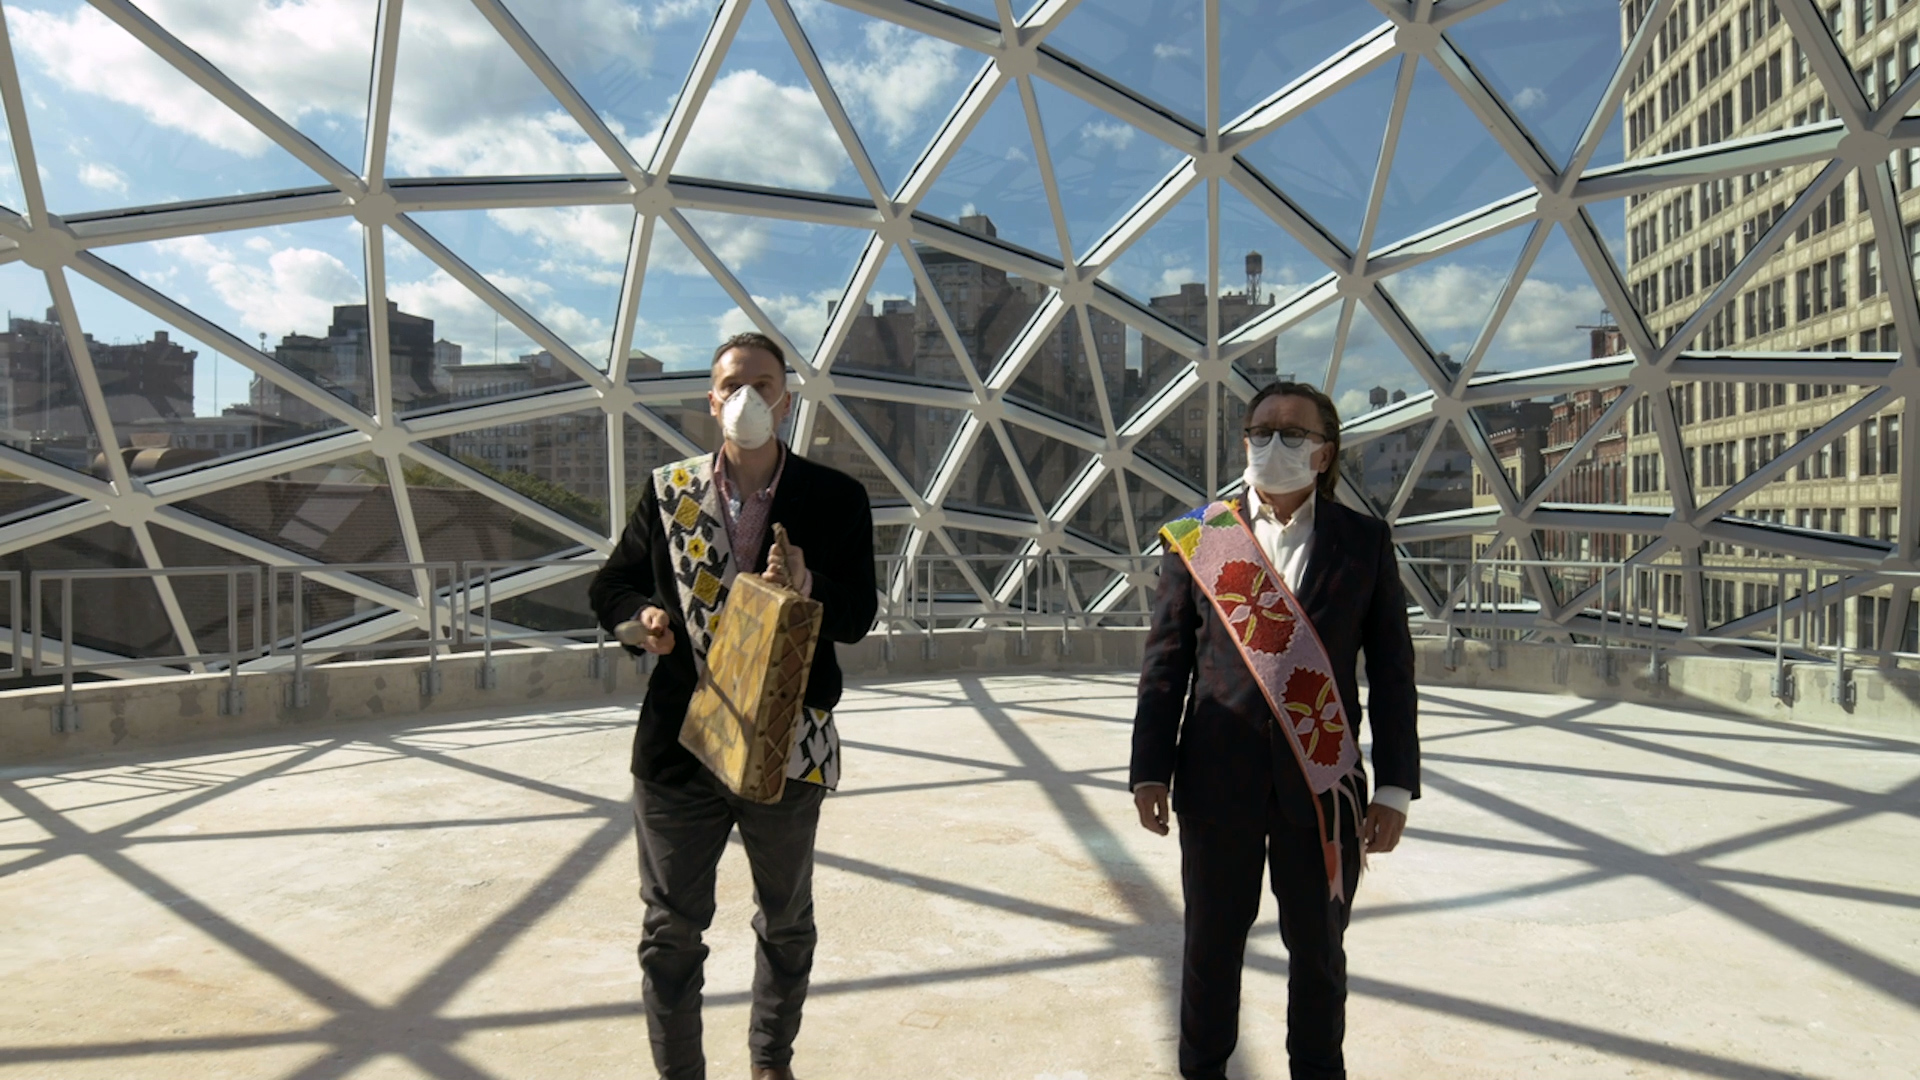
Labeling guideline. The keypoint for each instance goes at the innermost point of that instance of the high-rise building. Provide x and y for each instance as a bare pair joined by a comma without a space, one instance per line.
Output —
1721,71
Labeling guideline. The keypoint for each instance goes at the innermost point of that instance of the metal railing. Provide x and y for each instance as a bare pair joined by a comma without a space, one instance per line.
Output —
426,573
1625,607
66,715
488,572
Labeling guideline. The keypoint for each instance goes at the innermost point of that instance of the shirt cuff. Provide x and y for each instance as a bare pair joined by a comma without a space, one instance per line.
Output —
1394,798
1148,783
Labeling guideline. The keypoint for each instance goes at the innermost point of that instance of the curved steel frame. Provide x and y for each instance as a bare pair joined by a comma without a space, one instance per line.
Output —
1015,53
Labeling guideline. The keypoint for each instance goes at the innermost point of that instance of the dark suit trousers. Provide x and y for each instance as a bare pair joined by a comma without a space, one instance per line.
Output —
1220,870
683,830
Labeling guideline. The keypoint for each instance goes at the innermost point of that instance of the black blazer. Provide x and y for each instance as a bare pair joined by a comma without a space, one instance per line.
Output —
1202,722
827,517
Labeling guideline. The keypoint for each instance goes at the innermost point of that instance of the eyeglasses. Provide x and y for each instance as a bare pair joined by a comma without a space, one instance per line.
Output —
1291,437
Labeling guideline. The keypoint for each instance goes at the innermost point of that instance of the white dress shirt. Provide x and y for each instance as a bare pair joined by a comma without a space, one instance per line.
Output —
1288,545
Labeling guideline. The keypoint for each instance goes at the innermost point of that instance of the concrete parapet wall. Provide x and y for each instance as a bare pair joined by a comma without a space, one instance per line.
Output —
139,713
1885,700
136,713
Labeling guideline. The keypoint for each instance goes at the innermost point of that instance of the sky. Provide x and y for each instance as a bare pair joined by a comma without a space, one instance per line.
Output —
115,126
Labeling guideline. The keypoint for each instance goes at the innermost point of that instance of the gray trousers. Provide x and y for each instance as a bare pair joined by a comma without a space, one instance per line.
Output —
683,831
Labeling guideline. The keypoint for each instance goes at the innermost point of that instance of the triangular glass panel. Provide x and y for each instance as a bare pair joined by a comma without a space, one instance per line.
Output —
684,312
630,67
312,71
1446,478
835,446
1449,298
914,437
1051,464
1157,49
895,335
987,481
1149,366
41,411
1255,62
996,172
563,265
1101,518
448,345
465,105
1261,265
1683,243
1325,159
1165,267
1056,379
22,498
294,290
11,195
122,616
559,462
1153,507
131,130
897,85
761,122
458,524
1178,443
1604,551
1844,486
1556,316
175,402
1301,352
1446,164
1518,432
1104,166
1380,466
1438,565
796,271
1618,470
1551,61
1374,372
335,512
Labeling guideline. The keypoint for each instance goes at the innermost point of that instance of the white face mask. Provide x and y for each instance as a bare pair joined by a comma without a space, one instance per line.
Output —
1281,469
747,419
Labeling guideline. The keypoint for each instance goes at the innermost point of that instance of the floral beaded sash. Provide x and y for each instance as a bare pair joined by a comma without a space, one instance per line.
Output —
1284,653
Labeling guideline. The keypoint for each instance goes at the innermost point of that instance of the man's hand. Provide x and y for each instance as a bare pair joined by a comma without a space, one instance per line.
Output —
1150,800
651,630
1381,831
786,564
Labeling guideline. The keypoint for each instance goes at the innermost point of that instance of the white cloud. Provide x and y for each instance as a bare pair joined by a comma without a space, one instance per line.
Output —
1353,402
103,178
1529,98
1115,134
462,317
295,291
1167,51
87,52
899,77
753,129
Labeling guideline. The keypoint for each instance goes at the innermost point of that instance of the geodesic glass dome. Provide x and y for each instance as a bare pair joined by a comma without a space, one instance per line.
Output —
350,282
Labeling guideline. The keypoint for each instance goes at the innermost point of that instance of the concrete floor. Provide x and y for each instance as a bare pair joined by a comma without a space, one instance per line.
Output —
1588,890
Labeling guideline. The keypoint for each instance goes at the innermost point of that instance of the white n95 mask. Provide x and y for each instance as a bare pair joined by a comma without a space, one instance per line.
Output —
1279,468
747,419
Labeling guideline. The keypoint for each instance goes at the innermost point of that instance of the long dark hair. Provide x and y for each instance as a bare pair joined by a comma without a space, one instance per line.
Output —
1329,483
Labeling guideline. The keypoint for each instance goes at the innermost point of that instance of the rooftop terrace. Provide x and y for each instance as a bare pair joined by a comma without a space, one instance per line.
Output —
1588,889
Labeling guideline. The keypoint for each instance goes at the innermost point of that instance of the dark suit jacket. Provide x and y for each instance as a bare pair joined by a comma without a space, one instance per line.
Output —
827,518
1202,722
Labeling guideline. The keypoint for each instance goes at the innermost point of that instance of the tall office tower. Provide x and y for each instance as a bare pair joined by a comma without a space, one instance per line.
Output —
1721,71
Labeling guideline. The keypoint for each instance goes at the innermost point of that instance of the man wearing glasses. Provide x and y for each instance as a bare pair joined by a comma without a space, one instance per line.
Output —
1287,585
